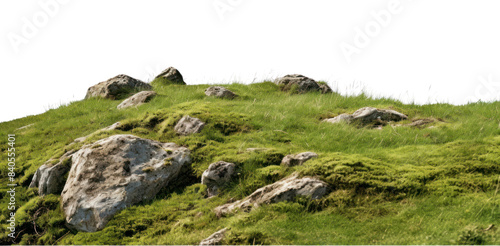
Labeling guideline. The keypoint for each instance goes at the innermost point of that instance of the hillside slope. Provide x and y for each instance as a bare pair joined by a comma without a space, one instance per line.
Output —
396,184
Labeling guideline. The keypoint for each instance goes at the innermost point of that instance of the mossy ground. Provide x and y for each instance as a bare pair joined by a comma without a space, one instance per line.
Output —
397,185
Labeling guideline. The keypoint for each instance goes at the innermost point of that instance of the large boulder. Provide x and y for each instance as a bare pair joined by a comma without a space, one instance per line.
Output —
50,177
217,175
219,91
189,125
114,173
302,83
116,87
137,99
298,159
284,190
173,75
214,239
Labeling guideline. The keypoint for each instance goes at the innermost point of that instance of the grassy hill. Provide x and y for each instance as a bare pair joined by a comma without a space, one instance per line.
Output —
395,185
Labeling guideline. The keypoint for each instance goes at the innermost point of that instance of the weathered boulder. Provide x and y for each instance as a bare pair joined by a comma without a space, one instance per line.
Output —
137,99
189,125
298,159
302,83
284,190
114,173
173,75
217,175
368,115
50,178
219,91
116,87
325,89
343,118
214,239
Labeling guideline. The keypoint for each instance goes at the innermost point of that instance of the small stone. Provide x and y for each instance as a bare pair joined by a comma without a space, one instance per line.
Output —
189,125
298,159
137,99
215,239
217,175
219,91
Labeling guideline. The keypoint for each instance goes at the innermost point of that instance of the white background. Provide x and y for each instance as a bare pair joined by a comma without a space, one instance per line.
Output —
420,51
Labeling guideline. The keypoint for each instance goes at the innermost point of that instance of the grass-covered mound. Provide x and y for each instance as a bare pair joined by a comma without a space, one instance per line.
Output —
397,185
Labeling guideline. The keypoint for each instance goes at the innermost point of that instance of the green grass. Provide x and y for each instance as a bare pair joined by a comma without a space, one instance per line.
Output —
398,185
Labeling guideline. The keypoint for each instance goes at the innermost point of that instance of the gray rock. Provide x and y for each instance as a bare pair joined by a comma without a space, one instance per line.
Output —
219,91
298,159
189,125
343,118
116,87
137,99
114,173
215,239
369,115
302,83
173,75
217,175
50,178
284,190
325,89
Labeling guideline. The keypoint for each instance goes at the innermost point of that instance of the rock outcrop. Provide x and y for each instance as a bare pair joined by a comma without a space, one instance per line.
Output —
116,87
284,190
50,178
137,99
214,239
217,175
368,115
298,159
173,75
189,125
114,173
302,83
219,91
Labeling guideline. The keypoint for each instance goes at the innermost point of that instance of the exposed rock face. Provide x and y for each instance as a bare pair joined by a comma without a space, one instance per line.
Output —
114,173
137,99
50,178
343,118
325,89
214,239
219,91
301,82
284,190
189,125
217,175
298,159
173,75
117,86
368,115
